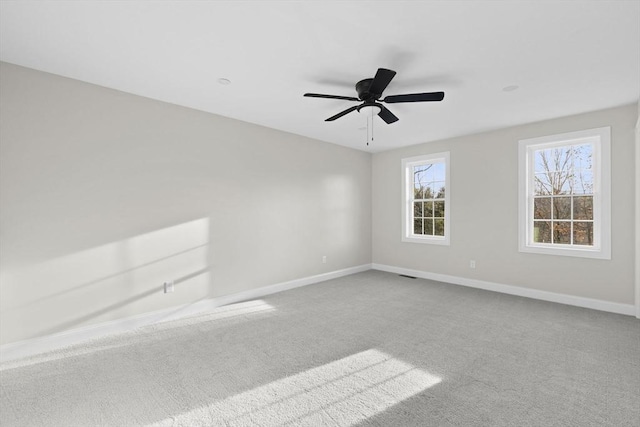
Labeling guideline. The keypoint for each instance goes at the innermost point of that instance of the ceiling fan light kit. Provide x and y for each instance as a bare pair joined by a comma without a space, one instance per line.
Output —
370,91
370,109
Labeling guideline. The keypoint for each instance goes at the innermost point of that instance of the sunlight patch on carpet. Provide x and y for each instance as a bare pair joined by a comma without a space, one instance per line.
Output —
341,393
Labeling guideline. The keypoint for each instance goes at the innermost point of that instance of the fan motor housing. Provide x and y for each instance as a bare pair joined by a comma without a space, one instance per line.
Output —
362,87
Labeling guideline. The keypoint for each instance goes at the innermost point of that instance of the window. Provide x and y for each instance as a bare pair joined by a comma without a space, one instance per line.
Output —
425,199
565,194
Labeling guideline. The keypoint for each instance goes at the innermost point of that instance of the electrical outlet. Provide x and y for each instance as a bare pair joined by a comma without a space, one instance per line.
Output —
324,259
168,287
472,264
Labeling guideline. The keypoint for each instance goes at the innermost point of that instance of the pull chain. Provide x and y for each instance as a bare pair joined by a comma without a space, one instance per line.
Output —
370,127
368,130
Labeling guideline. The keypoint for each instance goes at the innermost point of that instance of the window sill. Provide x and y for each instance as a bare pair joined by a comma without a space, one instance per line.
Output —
431,240
571,251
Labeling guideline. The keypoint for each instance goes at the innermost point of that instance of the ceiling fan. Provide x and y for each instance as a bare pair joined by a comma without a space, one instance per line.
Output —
370,91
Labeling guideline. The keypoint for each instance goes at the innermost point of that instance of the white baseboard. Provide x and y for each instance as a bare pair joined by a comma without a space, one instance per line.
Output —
613,307
60,340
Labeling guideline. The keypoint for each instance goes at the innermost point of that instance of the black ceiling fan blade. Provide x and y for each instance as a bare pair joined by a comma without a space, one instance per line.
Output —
320,95
342,113
414,97
387,115
381,81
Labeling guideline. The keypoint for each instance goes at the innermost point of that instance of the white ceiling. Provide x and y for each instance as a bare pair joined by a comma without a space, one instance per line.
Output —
566,57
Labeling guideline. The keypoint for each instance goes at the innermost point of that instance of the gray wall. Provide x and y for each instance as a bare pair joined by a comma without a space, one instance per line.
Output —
484,213
106,195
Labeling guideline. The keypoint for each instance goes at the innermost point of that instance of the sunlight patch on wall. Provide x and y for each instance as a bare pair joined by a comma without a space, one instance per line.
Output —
124,277
114,258
345,392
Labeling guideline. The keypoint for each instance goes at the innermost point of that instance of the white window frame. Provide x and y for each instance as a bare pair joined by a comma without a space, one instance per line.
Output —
407,198
600,138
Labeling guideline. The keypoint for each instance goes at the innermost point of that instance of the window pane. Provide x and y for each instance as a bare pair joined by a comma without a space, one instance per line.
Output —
542,184
583,207
542,208
553,182
417,226
561,183
439,227
428,209
438,172
582,156
417,209
429,191
553,160
583,233
562,232
562,208
559,159
542,160
542,231
583,182
420,173
417,191
438,189
428,226
438,209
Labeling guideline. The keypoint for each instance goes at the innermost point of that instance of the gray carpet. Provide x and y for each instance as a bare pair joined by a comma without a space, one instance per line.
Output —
372,349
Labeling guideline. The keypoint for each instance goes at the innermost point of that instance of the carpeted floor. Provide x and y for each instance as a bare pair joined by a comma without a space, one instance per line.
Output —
372,349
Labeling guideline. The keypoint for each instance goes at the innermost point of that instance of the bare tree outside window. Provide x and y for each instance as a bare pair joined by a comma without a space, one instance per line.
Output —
563,195
429,199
